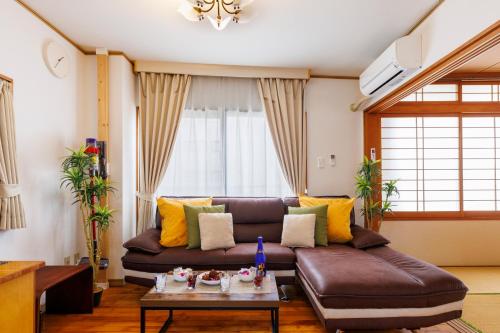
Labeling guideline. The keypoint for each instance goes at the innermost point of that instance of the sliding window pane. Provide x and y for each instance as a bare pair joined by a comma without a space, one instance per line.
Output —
398,122
433,93
479,205
451,122
479,161
442,206
440,153
401,206
422,153
399,153
480,92
441,185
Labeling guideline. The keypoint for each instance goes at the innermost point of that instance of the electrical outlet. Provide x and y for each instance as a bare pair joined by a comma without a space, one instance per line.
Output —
67,260
76,258
333,160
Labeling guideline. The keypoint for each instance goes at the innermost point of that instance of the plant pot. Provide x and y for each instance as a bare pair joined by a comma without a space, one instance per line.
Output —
97,293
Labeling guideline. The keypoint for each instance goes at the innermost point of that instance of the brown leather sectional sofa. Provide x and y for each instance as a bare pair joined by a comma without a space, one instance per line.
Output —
361,285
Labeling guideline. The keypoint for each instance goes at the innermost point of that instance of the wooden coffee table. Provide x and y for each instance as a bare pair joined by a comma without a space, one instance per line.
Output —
211,301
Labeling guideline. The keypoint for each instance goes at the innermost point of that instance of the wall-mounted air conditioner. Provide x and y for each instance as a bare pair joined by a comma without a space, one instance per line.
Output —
395,64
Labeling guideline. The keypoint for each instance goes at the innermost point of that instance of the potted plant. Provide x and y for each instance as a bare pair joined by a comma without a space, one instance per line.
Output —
88,188
375,194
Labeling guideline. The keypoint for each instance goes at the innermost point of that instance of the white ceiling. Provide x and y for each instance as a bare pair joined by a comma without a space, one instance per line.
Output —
486,62
332,37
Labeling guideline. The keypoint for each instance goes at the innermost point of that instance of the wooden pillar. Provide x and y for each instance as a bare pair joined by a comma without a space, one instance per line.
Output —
103,97
103,126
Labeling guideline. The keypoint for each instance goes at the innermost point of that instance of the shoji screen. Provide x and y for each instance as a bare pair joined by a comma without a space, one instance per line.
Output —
481,163
481,92
423,154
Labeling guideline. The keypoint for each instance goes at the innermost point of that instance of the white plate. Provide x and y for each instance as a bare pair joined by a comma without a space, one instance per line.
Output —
207,282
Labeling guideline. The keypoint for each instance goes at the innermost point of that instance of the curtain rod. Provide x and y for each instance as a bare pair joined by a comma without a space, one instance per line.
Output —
221,70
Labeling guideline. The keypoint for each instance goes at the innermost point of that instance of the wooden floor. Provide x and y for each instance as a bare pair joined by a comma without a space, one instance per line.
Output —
119,313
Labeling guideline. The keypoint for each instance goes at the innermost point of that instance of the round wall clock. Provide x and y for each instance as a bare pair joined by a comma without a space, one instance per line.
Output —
56,59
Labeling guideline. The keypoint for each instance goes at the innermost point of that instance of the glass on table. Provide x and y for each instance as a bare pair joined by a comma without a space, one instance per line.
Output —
160,282
259,279
191,280
225,282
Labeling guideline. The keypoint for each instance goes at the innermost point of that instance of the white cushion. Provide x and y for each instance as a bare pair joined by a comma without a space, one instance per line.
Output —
298,230
216,231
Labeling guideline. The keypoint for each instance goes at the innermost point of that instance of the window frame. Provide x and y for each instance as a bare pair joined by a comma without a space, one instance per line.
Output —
372,139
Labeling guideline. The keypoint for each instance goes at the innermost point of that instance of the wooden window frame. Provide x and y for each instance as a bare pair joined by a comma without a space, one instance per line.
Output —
373,139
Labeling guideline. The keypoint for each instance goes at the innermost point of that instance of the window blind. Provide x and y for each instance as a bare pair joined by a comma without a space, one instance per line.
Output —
422,153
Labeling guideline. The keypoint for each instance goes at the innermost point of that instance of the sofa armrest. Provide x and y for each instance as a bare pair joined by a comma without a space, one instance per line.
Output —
148,242
364,238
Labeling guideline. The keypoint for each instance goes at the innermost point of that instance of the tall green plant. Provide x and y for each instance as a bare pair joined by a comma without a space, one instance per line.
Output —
376,195
87,190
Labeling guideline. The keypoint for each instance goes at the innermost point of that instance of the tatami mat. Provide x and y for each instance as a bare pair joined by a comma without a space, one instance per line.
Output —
479,280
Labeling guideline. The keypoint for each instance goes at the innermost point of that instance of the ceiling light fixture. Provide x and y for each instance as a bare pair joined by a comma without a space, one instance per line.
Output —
218,12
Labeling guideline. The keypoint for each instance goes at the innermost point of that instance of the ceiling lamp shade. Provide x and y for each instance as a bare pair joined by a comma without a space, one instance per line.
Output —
218,12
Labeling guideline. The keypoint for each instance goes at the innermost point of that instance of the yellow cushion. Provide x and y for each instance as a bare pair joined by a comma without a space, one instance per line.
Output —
173,223
338,216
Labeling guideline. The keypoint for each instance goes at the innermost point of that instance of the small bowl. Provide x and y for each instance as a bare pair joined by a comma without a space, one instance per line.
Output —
181,275
246,274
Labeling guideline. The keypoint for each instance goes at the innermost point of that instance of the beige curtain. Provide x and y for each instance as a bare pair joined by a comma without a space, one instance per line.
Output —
11,208
283,103
162,99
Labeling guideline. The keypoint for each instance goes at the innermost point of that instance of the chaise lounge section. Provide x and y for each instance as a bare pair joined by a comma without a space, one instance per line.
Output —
360,285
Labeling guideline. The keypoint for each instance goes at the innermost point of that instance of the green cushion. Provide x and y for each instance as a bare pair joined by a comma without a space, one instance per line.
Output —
321,226
193,226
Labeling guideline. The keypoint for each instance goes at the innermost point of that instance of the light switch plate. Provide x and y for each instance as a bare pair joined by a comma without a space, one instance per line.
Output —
321,162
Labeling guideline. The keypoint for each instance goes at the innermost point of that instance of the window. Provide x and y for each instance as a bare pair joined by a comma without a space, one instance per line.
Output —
481,167
433,93
223,145
442,144
480,93
432,156
422,153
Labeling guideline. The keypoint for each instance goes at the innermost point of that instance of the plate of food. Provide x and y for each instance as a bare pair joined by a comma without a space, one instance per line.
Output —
211,278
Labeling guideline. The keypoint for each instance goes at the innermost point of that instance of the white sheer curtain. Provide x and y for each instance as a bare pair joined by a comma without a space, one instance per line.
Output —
223,146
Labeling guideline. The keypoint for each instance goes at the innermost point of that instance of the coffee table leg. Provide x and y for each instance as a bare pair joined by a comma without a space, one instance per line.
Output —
276,321
167,323
143,320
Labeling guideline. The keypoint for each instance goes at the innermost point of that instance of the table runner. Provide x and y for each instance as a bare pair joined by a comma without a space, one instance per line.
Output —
236,287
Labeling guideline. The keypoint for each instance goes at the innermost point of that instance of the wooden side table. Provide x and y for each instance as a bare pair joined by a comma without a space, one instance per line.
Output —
17,282
68,290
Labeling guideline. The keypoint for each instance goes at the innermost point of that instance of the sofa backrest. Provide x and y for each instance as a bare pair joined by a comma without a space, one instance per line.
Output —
253,217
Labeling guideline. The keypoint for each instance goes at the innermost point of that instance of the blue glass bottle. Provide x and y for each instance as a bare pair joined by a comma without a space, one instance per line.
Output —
260,257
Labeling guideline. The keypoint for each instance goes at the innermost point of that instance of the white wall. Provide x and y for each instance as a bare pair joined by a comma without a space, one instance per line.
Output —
333,129
447,243
50,116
